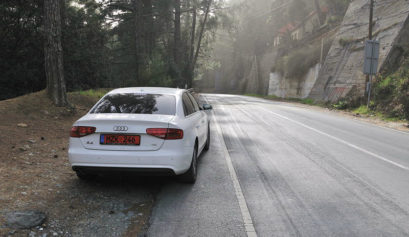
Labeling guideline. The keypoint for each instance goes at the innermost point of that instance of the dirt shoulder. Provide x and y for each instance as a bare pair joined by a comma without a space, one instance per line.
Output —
35,175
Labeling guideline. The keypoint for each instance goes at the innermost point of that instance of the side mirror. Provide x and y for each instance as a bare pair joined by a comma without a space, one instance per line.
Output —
207,107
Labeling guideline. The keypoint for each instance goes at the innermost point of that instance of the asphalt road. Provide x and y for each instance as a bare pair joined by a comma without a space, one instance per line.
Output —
283,170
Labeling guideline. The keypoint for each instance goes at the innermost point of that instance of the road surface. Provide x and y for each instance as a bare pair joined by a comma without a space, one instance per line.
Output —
278,169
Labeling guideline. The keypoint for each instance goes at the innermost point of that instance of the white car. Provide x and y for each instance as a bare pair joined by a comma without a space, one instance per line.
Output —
149,130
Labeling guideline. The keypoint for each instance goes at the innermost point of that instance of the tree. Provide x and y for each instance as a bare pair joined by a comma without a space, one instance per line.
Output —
199,41
103,43
53,53
21,47
86,47
177,40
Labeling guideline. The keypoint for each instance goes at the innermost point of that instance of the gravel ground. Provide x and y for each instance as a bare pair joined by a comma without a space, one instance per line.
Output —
35,175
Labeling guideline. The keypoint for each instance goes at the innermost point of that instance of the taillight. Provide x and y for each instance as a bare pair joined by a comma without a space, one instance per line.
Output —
165,133
174,133
81,131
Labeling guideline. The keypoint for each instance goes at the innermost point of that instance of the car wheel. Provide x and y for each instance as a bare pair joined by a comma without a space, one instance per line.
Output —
207,145
191,175
84,176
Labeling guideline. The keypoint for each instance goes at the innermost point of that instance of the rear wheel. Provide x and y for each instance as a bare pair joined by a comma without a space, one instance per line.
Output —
191,175
207,145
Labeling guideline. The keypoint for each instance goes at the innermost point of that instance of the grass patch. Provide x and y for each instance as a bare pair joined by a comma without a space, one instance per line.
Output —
254,95
95,93
362,110
307,101
87,98
271,97
341,105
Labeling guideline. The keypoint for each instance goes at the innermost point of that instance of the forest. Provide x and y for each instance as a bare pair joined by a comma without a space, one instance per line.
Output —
106,44
119,43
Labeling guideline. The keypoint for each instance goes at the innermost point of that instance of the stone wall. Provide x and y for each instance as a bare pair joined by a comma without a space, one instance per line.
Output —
341,73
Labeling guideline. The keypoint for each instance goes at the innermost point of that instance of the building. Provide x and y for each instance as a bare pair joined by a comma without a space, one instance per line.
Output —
298,31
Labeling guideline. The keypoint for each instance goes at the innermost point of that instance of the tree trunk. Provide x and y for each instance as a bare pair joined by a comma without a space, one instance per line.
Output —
177,45
137,28
189,65
149,28
192,37
53,54
199,41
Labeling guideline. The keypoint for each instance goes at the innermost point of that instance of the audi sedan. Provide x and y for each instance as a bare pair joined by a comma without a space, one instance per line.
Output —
144,130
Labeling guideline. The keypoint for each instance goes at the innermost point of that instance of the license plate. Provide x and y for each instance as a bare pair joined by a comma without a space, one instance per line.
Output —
119,139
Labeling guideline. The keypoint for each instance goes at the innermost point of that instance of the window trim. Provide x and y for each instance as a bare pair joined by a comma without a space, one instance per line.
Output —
194,102
185,93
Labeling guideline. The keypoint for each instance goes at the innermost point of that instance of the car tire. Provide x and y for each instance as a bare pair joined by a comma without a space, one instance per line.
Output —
84,176
207,145
191,174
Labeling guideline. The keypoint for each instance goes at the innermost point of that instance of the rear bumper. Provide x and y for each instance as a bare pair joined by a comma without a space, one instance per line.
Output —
167,158
116,170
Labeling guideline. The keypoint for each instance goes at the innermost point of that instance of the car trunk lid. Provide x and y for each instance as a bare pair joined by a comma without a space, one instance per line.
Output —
124,124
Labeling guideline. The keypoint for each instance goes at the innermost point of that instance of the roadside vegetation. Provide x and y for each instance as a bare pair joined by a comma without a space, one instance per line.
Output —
391,93
93,93
354,108
389,102
390,97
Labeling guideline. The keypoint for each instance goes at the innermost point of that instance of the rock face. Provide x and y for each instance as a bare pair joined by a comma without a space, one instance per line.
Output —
341,74
293,88
24,219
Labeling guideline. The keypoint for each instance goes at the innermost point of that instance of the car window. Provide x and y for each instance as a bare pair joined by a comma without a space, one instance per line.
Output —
133,103
187,105
194,102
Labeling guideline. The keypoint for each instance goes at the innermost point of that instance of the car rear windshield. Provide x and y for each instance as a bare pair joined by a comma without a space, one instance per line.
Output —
131,103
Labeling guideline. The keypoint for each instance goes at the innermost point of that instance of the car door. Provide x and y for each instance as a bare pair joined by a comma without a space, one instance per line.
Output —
202,124
192,116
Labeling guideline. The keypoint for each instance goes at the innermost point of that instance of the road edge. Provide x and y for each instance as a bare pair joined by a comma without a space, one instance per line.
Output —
245,213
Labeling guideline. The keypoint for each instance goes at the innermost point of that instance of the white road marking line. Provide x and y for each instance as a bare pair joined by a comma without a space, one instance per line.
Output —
289,105
248,222
339,140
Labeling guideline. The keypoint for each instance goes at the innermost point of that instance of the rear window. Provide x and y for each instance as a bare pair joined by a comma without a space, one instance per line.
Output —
131,103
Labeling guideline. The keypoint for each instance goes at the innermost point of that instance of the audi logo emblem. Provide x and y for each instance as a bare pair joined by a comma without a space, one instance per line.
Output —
121,128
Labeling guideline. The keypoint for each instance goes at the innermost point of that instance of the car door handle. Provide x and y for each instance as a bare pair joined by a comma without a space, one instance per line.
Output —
198,126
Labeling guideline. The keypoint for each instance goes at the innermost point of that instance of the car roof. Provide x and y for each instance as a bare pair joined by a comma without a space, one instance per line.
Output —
148,90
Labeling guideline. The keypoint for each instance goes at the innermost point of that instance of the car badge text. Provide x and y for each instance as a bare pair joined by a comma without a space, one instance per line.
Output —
120,128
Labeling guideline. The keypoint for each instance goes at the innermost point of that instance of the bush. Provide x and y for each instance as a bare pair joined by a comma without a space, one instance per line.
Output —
391,92
345,41
342,104
307,101
363,109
